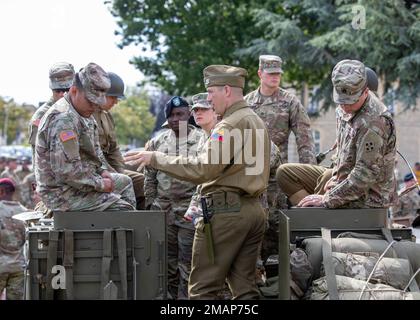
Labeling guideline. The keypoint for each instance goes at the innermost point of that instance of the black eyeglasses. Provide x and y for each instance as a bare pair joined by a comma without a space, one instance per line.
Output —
61,90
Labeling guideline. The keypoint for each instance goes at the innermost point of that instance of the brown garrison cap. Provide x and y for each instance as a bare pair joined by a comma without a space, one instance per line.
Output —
221,75
95,82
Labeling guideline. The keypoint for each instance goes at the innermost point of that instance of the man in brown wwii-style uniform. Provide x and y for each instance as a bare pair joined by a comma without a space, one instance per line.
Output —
231,183
363,173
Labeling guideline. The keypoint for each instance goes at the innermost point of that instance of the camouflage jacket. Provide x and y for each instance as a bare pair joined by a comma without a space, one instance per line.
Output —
364,169
68,158
282,113
408,205
164,191
22,173
108,140
34,123
27,191
12,237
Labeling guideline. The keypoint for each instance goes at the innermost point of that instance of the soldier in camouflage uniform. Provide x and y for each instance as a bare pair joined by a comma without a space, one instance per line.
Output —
61,77
281,111
282,114
108,137
69,170
363,173
12,235
163,192
24,170
28,187
10,172
409,203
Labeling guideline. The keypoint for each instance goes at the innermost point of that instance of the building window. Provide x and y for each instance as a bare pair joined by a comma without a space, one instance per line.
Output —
317,140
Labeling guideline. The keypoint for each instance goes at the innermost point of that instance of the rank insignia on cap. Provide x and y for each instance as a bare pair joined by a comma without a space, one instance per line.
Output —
67,135
176,102
217,136
36,122
207,81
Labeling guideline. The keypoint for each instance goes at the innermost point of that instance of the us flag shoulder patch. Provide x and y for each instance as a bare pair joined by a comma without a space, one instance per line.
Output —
67,135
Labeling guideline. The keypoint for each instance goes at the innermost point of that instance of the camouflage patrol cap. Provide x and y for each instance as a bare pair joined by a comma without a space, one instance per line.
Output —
270,63
95,82
222,75
349,80
61,75
200,101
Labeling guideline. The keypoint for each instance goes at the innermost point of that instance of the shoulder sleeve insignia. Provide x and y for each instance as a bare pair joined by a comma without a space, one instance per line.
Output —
67,135
217,135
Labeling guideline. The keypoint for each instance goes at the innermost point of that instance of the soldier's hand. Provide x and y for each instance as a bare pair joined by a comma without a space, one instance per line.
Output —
108,185
138,158
313,200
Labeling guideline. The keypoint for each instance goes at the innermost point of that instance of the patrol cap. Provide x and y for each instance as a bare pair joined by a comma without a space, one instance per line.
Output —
175,102
222,75
95,82
8,182
408,177
270,63
349,80
61,75
200,101
372,79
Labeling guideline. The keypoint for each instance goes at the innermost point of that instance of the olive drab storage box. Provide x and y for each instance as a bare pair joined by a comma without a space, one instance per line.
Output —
145,246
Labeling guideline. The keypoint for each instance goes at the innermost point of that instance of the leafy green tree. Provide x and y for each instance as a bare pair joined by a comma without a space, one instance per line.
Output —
313,35
133,121
181,37
14,119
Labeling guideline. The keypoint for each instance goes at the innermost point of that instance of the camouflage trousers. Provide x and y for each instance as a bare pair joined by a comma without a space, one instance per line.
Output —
122,197
276,199
138,185
13,283
180,241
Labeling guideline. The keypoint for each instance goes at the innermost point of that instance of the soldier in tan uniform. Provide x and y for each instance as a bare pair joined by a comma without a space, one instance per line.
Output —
363,172
61,77
231,184
12,239
108,137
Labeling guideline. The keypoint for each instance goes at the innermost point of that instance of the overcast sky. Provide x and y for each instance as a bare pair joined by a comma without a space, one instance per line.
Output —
36,34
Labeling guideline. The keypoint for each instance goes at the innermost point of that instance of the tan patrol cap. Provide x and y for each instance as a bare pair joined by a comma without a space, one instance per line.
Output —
222,75
200,101
61,75
271,64
95,82
349,80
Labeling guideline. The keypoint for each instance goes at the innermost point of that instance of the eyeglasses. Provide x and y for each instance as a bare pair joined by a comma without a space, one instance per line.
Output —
61,90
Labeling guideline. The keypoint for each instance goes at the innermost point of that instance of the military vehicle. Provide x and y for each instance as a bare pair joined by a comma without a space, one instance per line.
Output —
325,233
97,255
